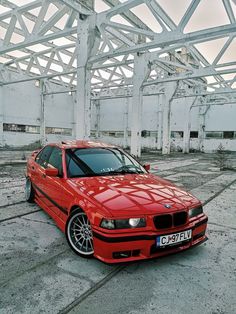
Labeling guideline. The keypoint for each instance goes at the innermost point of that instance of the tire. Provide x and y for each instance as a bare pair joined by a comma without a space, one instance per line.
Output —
79,234
29,191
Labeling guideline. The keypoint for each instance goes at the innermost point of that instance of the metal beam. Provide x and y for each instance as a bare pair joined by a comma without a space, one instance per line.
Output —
171,41
201,127
1,117
85,45
202,72
187,123
122,7
42,113
37,40
160,121
229,10
140,73
167,98
77,7
128,15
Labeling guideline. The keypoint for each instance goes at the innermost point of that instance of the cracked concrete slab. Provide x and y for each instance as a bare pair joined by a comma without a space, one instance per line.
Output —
172,164
40,274
222,209
200,280
25,244
210,188
52,285
17,209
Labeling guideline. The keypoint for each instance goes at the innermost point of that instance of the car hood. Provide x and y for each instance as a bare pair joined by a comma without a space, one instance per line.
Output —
135,194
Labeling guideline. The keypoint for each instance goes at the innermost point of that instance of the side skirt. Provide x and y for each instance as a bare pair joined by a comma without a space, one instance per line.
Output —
59,222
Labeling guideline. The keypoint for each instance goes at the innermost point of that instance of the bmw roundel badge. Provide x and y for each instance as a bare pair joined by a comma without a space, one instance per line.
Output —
167,206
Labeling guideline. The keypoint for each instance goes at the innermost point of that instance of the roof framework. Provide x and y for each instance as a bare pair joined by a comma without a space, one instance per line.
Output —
44,40
39,39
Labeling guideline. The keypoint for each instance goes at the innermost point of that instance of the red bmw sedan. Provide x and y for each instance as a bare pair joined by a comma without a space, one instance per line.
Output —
109,205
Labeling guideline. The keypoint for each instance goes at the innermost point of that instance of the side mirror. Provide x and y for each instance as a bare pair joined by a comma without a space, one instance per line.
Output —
51,172
147,167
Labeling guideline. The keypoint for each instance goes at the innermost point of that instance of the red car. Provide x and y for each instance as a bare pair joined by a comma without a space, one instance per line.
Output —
109,205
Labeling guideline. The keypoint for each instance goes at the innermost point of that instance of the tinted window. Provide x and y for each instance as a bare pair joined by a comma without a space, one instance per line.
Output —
73,168
55,159
42,157
99,161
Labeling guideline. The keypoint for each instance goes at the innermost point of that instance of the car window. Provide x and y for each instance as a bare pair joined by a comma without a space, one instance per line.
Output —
72,167
55,159
43,156
98,161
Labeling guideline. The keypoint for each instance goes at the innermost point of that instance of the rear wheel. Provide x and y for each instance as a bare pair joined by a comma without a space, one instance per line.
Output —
79,234
29,191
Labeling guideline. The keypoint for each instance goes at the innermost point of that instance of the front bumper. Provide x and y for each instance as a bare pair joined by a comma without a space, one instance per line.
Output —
116,248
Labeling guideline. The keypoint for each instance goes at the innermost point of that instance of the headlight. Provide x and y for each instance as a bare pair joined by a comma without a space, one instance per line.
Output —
195,211
123,223
134,222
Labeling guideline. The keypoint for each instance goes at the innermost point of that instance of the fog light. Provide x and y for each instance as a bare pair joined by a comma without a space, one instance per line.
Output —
123,254
134,222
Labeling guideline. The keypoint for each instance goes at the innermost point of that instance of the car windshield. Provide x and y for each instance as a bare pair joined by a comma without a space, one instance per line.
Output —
83,162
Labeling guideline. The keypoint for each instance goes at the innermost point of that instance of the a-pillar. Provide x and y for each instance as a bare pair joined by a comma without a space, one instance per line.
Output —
42,113
140,73
1,117
85,43
167,97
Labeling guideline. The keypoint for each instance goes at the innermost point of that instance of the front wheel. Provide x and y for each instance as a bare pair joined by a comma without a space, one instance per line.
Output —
29,191
79,234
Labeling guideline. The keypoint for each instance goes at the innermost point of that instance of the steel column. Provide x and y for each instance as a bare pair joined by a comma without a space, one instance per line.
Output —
1,117
201,131
140,72
86,39
126,121
42,113
187,126
160,118
167,98
97,123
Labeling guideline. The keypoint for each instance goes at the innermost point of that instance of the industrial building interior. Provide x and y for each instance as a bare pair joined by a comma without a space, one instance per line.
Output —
155,77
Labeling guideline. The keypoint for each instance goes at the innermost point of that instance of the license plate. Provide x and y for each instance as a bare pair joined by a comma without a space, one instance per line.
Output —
171,239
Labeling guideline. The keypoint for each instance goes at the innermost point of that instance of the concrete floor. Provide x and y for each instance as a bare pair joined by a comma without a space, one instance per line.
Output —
40,274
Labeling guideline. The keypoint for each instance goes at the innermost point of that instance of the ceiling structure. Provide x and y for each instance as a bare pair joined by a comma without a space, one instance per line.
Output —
129,43
38,38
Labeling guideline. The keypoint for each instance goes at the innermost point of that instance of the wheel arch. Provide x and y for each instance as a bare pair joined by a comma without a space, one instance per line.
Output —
75,208
78,208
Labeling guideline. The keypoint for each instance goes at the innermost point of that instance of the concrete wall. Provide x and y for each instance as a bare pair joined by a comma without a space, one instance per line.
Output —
20,104
218,118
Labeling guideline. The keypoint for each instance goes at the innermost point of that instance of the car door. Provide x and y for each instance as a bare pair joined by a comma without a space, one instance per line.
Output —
54,186
37,171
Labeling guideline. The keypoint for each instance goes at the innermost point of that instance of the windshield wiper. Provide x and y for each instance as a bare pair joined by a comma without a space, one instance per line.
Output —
129,169
123,171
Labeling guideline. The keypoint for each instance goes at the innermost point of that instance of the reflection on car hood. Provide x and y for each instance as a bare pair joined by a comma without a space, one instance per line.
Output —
134,193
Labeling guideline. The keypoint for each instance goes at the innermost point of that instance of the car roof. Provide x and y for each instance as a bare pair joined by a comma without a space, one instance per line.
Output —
81,144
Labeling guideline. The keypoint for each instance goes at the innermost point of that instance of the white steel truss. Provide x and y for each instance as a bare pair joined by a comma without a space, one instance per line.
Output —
31,33
43,40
